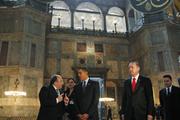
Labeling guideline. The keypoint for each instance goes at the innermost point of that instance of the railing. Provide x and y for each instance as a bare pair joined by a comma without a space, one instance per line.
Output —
87,32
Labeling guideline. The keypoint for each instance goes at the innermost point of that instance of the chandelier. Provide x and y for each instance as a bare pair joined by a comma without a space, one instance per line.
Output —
15,93
106,99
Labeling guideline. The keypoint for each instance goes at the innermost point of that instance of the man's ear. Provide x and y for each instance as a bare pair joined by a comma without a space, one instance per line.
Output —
139,69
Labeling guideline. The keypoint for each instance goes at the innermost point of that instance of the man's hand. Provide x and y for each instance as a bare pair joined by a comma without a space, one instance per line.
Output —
66,100
60,98
83,117
149,117
80,117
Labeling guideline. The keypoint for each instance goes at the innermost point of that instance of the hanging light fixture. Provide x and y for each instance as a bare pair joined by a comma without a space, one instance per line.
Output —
106,99
15,93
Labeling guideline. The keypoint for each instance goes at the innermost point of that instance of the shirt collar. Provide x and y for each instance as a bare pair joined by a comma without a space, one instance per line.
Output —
54,87
137,76
86,80
170,88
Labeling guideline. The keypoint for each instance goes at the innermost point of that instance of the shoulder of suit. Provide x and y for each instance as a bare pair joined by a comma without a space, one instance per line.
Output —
45,87
144,77
126,82
140,77
162,90
93,82
175,87
77,85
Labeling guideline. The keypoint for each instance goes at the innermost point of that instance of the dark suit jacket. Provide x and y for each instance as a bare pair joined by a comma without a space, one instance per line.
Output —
87,101
170,104
140,103
71,109
49,109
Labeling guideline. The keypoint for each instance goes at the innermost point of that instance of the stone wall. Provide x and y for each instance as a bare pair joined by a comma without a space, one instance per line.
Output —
24,29
63,56
146,45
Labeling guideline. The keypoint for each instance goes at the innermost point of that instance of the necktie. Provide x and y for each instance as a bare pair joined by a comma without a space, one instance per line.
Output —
168,91
84,85
133,84
58,92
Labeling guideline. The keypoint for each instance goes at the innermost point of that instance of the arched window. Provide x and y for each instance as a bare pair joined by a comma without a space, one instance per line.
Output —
115,20
88,16
61,15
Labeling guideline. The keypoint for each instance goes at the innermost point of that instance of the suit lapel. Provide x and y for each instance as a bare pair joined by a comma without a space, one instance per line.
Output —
164,92
172,90
53,91
80,87
88,85
129,86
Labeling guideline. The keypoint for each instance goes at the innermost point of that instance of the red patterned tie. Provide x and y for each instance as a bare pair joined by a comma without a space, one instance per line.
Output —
133,84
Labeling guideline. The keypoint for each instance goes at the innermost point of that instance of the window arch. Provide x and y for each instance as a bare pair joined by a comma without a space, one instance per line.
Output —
115,20
61,15
88,16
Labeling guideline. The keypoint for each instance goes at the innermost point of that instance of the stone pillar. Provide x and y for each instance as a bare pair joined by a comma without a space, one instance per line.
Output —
104,22
58,57
127,24
72,19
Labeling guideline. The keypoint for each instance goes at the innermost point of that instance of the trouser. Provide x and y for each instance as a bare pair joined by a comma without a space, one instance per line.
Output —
133,115
109,117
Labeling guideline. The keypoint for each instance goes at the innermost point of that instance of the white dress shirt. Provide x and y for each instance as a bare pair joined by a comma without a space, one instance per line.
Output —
136,77
57,101
170,90
86,81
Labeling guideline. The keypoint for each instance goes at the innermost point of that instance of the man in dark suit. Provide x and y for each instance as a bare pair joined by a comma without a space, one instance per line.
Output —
51,101
170,100
137,102
87,97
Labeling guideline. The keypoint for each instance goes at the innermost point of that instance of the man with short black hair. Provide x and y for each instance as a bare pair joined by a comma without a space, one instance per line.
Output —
86,96
169,99
51,100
